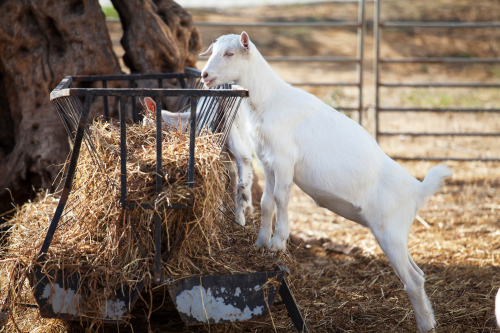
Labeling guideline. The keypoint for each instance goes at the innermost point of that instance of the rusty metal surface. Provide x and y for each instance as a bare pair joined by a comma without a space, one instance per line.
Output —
225,298
63,297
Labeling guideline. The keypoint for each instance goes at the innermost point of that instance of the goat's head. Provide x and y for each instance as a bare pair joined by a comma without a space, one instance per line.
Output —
229,57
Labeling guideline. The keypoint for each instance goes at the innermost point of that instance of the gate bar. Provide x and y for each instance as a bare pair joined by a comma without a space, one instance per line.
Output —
397,24
437,134
376,57
334,84
359,66
377,64
410,109
439,60
458,159
442,85
280,24
307,59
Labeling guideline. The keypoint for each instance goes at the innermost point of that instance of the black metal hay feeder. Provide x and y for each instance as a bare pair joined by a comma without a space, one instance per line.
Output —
199,300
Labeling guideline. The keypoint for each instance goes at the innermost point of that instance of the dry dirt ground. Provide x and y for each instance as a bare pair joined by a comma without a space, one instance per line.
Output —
456,239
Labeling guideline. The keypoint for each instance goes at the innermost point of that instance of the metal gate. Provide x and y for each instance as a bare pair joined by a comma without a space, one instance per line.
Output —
378,26
360,24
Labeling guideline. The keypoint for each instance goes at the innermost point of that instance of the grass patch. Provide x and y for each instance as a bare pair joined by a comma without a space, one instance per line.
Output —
110,12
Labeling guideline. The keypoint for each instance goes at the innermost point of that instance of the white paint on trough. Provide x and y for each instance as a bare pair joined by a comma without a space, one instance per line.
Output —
62,300
211,307
114,309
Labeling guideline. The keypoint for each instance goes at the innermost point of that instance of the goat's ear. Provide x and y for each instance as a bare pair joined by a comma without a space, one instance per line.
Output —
150,104
245,41
208,52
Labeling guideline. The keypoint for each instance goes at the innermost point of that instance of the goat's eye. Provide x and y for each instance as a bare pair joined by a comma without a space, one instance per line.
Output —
228,54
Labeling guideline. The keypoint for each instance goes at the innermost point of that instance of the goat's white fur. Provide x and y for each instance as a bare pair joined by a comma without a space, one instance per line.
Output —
497,307
239,150
301,140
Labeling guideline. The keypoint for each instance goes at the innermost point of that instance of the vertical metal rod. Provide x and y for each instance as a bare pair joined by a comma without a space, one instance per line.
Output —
361,42
106,108
292,308
376,37
159,183
182,83
69,176
134,106
159,172
157,273
160,86
192,138
123,152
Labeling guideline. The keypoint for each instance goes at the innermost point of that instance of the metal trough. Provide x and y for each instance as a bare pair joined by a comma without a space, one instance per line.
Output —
63,297
225,298
213,299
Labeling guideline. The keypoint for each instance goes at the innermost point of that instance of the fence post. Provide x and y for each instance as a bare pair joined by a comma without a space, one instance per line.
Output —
361,40
376,40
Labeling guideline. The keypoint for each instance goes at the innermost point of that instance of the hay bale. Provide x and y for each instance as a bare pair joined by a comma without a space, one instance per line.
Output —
113,247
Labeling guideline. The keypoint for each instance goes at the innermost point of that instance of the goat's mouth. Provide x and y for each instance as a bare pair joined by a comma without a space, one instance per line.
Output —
209,82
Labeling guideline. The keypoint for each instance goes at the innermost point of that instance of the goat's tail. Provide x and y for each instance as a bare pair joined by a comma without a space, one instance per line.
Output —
433,181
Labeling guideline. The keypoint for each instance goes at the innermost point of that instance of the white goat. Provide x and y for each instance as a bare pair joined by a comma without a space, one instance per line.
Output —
238,147
301,140
171,118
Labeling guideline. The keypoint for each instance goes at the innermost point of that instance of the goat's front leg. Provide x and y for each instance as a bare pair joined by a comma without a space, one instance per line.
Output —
243,155
283,183
244,191
267,206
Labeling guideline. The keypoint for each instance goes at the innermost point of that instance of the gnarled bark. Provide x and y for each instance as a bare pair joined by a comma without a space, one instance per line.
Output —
41,41
159,36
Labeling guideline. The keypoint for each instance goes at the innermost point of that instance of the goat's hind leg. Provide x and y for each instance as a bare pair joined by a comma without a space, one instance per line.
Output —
394,242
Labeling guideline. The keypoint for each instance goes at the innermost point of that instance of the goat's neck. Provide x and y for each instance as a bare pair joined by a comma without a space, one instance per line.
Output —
263,84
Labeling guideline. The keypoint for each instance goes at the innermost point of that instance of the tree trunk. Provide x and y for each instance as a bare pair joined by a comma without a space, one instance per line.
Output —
42,41
159,36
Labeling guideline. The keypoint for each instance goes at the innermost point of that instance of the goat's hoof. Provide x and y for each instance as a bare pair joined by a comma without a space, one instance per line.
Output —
276,245
259,243
262,240
241,219
427,327
257,248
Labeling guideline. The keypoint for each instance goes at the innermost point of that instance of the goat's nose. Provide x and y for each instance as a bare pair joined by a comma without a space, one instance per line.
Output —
204,75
